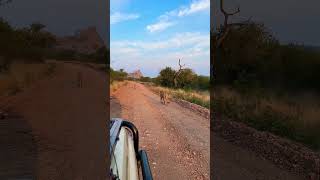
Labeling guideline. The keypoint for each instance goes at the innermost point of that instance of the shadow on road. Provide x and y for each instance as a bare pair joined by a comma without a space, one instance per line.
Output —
18,149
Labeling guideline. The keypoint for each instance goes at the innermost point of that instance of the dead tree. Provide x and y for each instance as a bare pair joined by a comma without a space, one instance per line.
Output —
220,36
177,73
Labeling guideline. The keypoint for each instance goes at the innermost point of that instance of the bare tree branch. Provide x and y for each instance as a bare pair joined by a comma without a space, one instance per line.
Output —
178,73
221,39
180,66
225,12
224,31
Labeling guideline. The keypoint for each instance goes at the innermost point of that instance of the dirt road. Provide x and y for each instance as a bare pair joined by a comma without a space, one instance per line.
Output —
233,162
178,141
59,131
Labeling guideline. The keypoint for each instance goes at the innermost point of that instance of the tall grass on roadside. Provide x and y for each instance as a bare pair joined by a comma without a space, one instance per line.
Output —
22,75
288,117
201,98
115,85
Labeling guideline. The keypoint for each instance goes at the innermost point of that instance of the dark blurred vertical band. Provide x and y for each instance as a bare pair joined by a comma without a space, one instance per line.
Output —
108,89
212,77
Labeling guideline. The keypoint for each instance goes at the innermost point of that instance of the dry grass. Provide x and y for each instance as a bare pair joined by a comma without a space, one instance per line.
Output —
22,75
116,84
290,117
201,98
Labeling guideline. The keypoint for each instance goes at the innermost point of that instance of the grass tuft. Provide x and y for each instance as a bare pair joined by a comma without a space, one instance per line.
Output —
115,85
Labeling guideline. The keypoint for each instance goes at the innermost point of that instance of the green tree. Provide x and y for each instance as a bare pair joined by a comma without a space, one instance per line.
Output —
117,75
6,34
252,58
203,82
36,27
186,79
29,43
101,55
165,77
145,79
245,51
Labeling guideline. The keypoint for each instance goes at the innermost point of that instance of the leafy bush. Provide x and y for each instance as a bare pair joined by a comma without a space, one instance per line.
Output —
29,44
101,56
146,79
251,57
165,77
186,79
117,75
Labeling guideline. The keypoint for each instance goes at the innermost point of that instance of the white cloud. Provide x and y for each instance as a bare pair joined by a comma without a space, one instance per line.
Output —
119,5
159,26
179,40
196,6
119,17
151,56
165,20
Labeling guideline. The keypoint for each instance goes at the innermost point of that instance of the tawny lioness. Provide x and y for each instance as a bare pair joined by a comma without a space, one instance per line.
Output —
164,97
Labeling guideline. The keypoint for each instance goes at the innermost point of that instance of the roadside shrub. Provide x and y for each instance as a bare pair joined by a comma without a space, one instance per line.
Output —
28,44
186,79
201,98
117,75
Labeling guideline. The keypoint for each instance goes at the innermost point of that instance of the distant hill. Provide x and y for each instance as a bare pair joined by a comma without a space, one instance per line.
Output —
85,41
136,74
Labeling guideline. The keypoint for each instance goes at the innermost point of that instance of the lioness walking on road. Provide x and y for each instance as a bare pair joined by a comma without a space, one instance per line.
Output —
163,97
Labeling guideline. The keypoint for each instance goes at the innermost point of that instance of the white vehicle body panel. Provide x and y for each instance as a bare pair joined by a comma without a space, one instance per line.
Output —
123,159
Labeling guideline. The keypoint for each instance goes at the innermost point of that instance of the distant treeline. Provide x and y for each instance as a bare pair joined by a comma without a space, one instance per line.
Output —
187,79
101,56
117,75
33,44
251,57
29,43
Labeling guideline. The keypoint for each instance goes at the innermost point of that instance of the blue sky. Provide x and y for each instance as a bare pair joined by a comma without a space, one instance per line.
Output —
152,34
